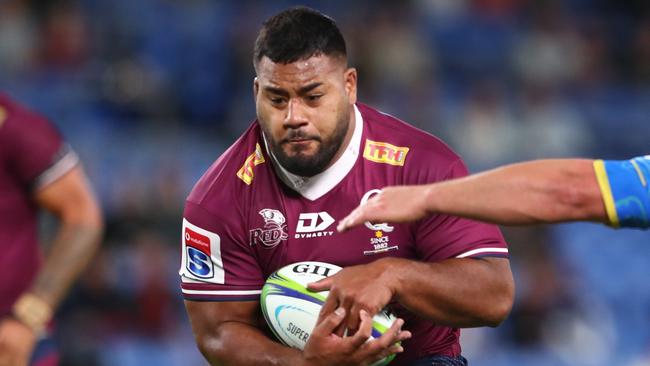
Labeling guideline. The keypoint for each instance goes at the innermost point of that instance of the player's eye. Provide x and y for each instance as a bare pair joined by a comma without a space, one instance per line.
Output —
277,100
314,97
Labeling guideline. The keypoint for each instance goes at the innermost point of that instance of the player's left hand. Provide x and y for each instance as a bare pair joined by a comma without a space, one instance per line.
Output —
16,343
369,287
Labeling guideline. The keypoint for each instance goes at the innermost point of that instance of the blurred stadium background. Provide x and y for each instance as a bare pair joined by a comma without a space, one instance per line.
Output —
149,92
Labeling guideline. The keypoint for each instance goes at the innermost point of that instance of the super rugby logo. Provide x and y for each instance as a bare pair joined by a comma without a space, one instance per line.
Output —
274,231
198,254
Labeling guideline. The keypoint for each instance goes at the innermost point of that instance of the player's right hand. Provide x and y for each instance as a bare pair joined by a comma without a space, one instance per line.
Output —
16,343
325,348
392,204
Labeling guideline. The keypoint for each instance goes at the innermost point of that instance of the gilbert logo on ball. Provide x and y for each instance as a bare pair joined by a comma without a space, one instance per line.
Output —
291,310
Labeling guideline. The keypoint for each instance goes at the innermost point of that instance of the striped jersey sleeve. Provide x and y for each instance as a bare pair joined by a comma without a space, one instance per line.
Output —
625,190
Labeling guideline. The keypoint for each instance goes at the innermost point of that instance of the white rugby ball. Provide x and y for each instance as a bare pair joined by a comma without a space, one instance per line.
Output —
291,310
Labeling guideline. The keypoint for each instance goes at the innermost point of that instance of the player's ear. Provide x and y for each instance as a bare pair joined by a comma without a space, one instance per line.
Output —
350,77
256,87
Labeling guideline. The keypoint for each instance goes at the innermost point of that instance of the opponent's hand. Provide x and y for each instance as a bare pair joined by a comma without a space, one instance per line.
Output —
392,204
324,348
368,287
16,343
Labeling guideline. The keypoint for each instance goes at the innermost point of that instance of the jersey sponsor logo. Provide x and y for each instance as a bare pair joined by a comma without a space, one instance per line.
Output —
383,152
198,254
314,225
273,232
246,172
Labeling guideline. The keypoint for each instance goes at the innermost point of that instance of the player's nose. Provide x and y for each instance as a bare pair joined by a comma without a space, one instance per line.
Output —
296,115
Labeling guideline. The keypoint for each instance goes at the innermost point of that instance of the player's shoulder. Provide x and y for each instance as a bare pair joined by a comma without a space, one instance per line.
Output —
233,172
418,147
15,118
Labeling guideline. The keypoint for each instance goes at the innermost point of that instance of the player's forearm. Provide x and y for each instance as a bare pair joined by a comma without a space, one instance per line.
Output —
240,344
540,191
73,247
455,292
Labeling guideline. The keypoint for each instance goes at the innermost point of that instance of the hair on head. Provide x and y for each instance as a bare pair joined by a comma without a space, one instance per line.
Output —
298,33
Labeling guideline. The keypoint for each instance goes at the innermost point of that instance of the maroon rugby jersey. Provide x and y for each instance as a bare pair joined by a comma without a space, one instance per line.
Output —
32,155
247,217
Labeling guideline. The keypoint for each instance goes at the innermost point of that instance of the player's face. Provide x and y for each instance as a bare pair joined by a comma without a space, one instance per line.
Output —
305,109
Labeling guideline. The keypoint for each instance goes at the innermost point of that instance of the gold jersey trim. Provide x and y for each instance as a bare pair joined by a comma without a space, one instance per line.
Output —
606,191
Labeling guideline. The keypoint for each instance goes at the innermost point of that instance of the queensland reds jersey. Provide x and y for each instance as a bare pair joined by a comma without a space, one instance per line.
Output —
32,155
247,217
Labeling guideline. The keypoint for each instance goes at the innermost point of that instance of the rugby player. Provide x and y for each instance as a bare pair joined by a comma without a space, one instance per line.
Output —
273,198
38,170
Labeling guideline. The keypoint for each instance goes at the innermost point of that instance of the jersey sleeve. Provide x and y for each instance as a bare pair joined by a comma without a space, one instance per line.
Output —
442,237
625,190
217,263
39,156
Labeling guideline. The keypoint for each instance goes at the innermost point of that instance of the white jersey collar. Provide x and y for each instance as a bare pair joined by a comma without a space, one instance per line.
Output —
317,186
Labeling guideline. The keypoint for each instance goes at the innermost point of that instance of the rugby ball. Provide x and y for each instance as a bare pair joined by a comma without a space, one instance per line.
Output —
291,310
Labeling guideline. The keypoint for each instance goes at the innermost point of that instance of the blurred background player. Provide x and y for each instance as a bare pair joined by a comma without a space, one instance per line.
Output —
616,193
38,171
273,198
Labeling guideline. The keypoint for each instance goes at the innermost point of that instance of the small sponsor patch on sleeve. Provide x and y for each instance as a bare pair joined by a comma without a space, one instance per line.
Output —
383,152
201,256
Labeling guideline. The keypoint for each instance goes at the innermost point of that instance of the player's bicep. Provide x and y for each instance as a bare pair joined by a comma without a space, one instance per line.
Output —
213,322
207,316
70,198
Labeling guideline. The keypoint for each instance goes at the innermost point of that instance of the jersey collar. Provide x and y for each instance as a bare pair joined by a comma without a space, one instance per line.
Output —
317,186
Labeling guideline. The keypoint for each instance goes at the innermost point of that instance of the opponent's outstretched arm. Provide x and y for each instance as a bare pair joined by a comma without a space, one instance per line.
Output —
542,191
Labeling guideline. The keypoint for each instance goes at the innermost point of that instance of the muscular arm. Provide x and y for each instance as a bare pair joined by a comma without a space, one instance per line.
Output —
541,191
71,200
456,292
227,333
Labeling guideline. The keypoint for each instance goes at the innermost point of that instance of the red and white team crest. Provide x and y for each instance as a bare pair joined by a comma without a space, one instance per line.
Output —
274,231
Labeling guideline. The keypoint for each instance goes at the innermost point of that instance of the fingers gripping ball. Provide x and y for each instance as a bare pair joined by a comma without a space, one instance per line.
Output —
291,310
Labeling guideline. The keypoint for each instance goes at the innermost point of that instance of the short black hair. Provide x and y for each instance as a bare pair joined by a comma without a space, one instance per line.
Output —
298,33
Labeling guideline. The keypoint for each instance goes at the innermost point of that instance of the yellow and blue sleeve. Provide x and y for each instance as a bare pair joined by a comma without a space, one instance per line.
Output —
625,187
